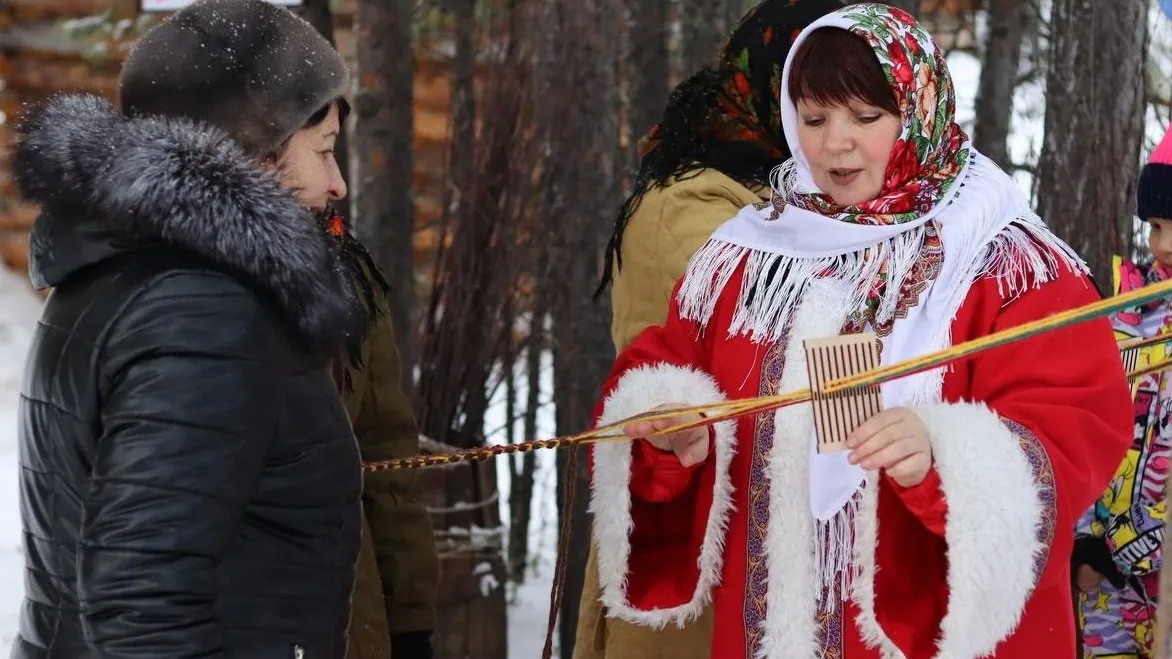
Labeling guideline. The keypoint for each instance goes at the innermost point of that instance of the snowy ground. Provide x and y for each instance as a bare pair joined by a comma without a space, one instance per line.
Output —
529,614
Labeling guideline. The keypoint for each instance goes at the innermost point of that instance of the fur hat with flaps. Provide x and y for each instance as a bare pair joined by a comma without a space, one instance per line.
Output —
249,67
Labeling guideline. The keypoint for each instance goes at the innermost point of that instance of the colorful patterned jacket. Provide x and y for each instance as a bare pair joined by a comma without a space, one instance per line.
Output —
1130,514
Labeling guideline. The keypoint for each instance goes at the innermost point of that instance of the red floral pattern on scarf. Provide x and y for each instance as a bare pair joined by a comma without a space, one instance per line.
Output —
923,272
738,118
928,156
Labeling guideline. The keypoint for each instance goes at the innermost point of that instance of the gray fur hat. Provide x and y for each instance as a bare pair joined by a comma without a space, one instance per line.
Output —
249,67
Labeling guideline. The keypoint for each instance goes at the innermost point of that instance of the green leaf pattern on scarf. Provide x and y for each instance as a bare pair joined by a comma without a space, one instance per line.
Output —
931,150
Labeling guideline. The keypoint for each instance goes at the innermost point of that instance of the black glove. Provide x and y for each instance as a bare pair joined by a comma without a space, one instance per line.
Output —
411,645
1093,551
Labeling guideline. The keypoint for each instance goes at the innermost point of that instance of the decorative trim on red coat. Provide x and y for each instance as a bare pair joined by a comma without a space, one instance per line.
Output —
791,614
999,497
639,390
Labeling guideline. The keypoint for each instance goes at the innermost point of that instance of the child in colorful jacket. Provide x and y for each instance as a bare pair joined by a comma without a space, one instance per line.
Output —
1117,553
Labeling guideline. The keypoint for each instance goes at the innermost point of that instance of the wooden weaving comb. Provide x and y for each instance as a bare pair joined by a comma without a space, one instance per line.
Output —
837,414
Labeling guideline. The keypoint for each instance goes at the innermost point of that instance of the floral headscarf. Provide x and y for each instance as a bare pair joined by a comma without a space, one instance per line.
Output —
741,95
932,148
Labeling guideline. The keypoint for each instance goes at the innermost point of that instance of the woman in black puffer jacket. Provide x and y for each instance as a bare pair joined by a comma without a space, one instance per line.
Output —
190,484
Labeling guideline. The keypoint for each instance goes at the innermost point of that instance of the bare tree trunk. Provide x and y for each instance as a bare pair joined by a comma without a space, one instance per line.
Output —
910,6
482,256
383,133
704,25
318,13
461,158
580,107
734,11
525,467
1009,21
485,253
648,66
1089,166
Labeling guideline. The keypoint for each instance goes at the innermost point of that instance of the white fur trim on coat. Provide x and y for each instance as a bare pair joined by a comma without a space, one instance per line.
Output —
790,626
995,514
639,390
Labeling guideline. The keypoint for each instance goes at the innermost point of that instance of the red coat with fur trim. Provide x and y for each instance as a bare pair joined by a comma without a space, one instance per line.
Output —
973,560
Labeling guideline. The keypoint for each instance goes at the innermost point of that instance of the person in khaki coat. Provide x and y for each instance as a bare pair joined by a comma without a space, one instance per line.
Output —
710,156
393,612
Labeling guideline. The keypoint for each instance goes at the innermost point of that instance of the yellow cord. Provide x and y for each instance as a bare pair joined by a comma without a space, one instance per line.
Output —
715,412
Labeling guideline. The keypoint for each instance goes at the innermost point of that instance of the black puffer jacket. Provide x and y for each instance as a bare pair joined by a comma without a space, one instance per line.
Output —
190,484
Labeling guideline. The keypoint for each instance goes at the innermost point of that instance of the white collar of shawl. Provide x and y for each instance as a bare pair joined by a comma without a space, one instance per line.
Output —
986,228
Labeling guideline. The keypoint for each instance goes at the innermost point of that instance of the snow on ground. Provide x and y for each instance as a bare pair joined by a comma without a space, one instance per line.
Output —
19,310
528,617
529,610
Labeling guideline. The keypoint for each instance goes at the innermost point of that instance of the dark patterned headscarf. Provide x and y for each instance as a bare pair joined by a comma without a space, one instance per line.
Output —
725,117
369,286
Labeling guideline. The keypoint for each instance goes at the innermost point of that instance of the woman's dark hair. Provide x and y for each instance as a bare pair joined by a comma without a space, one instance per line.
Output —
317,117
835,67
724,117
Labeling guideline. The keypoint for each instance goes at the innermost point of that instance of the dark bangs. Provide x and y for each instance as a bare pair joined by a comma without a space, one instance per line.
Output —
836,67
324,111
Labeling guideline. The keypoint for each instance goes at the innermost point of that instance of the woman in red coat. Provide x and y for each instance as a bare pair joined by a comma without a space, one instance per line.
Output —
944,529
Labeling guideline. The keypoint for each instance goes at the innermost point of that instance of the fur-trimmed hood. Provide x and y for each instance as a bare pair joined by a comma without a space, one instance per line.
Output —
186,185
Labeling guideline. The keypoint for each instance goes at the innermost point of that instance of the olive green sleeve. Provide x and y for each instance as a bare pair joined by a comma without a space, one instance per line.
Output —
400,526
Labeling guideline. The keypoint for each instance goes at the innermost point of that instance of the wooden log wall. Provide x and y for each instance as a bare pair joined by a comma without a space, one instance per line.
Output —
50,46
